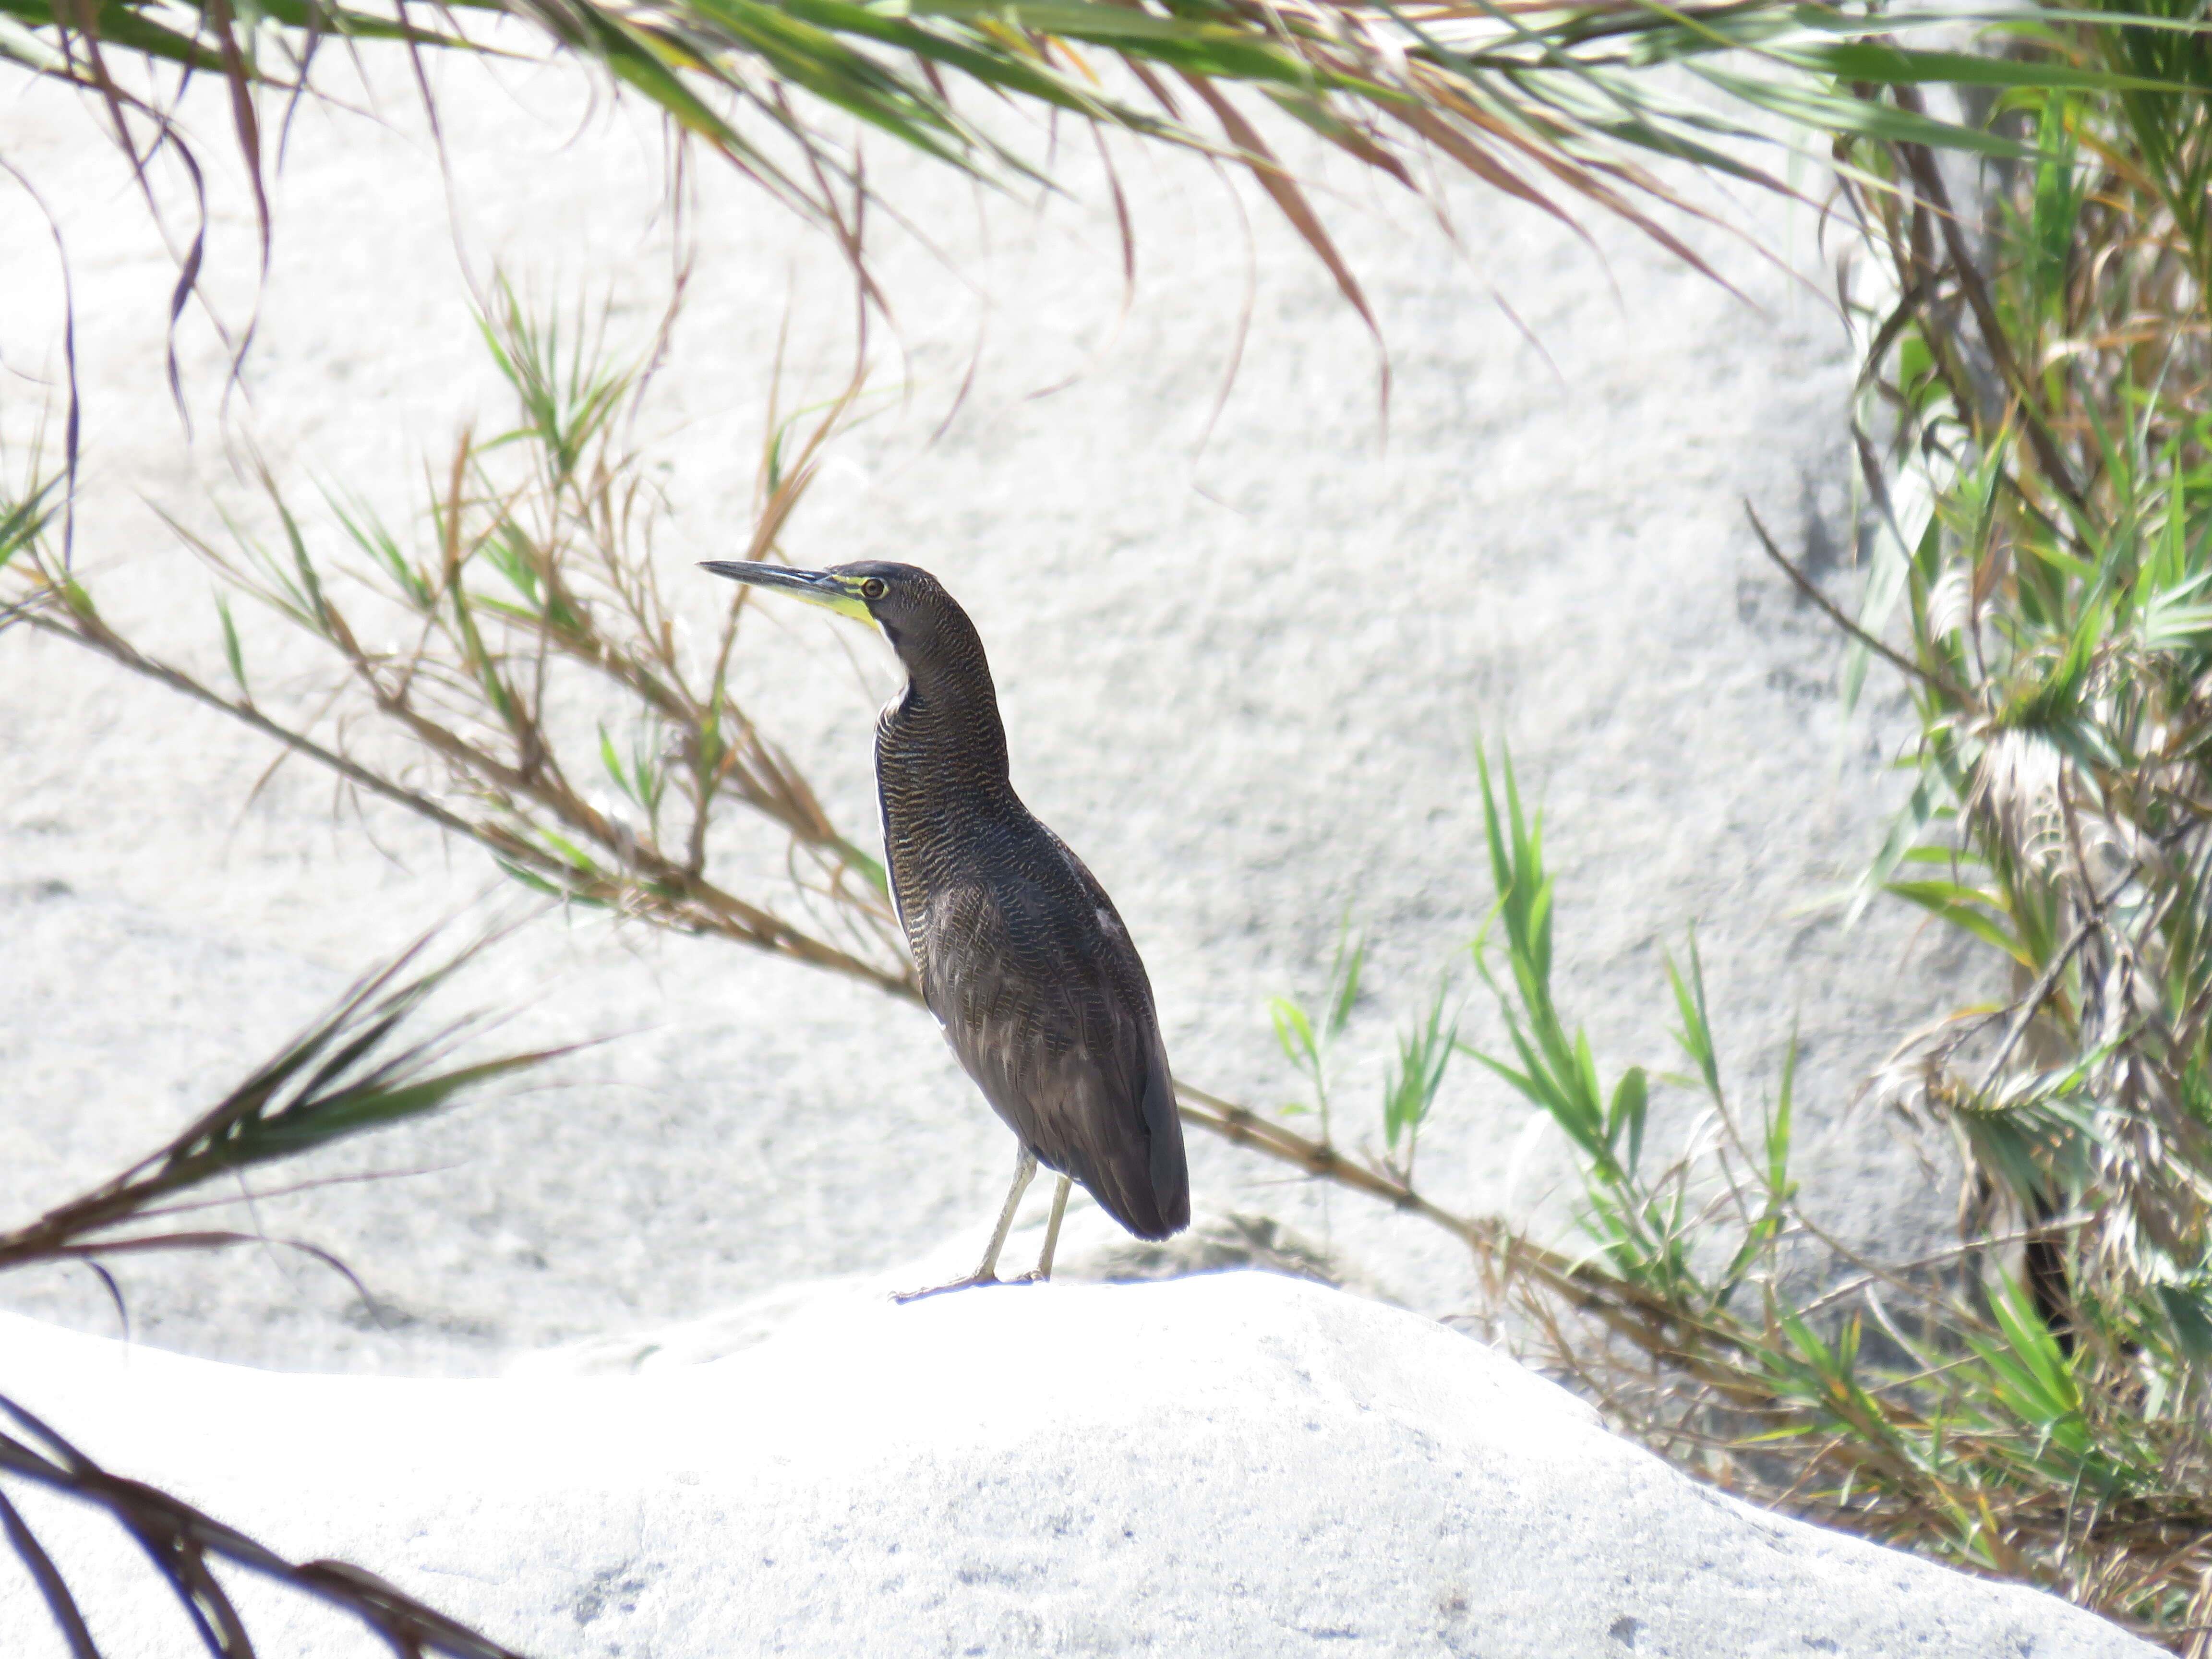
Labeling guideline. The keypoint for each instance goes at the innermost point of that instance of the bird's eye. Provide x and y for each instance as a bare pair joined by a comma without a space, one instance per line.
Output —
873,588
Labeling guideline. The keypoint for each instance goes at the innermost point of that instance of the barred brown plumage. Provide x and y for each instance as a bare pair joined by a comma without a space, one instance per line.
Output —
1020,953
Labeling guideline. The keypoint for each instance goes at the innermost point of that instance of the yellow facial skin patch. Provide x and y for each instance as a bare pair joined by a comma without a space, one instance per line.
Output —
842,594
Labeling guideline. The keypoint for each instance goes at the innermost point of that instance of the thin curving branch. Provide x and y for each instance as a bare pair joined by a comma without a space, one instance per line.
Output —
184,1542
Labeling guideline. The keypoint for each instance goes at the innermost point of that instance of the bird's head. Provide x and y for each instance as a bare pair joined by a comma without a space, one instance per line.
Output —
907,603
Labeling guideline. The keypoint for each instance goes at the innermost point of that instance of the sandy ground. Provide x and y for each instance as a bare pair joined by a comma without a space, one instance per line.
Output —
1243,659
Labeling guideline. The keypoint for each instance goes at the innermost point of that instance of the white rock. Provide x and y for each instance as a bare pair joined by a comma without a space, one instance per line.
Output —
1093,1249
1240,1464
1242,678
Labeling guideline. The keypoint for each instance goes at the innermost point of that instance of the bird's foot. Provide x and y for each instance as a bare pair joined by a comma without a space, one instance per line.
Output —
1034,1276
973,1279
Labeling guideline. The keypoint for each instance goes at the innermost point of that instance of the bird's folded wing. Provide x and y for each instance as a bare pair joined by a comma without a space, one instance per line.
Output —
1041,1012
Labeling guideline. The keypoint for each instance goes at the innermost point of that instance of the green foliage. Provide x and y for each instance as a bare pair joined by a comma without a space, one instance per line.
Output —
1307,1041
2047,400
2055,603
1554,106
1409,1093
527,586
1556,1073
1643,1221
1415,1076
23,523
1935,1404
2033,1405
358,1067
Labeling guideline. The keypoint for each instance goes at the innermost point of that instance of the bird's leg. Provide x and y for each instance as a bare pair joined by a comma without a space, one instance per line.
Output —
987,1273
1043,1269
1023,1169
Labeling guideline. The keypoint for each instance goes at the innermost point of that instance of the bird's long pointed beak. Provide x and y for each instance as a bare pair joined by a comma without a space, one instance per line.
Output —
815,586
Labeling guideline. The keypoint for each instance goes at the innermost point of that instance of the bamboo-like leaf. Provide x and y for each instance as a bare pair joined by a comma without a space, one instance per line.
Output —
1963,907
22,522
1343,977
1881,61
1293,1031
1382,81
1859,117
232,653
1626,1112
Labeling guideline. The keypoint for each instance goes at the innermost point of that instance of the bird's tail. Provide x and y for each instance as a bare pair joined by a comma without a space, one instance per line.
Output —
1148,1191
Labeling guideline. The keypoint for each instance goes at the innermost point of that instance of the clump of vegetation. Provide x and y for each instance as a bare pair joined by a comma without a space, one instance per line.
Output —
1553,107
541,698
2037,462
1949,1404
2041,378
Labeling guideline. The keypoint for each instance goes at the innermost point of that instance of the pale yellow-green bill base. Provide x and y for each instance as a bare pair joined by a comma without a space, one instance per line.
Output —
825,588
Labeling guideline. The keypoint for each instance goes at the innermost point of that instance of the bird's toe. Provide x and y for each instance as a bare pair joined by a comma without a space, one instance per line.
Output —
971,1281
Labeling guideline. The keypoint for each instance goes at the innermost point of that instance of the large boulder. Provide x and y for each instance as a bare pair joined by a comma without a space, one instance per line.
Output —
1238,1464
1243,652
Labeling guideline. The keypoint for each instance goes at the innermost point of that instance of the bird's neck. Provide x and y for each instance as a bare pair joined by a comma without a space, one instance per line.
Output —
941,748
942,745
942,786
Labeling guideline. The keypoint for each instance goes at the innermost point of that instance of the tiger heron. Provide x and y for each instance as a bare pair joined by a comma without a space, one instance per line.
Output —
1021,956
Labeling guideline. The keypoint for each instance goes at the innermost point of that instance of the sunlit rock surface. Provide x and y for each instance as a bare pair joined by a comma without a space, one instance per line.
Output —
1231,1465
1244,646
